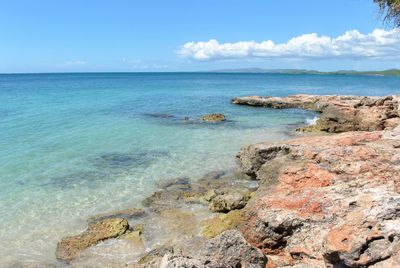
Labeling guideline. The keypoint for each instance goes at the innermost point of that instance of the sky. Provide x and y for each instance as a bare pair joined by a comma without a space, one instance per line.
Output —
193,35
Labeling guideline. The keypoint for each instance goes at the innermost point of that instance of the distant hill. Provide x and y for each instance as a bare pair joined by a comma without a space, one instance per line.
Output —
390,72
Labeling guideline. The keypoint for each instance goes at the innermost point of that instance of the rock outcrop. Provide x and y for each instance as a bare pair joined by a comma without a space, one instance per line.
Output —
326,201
337,113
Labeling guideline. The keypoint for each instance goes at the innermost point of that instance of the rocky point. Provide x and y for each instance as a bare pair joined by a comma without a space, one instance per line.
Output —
326,200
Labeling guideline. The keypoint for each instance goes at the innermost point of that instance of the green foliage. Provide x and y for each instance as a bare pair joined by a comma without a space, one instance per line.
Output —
391,10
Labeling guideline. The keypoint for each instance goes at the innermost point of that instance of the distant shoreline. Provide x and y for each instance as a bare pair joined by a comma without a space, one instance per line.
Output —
389,72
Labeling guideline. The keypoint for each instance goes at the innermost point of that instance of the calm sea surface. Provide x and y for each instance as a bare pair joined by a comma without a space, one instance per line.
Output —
72,145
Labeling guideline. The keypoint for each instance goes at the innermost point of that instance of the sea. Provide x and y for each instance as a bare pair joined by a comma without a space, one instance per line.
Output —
76,144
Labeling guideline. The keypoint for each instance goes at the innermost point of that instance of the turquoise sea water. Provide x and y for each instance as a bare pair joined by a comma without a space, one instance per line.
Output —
72,145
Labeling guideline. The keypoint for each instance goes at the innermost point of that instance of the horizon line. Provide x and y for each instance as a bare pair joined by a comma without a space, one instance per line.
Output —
228,70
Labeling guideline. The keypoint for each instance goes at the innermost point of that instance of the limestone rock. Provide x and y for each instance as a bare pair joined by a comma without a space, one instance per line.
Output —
229,201
70,247
335,200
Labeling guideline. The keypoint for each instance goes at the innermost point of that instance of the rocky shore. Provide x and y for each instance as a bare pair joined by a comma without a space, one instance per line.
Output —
337,113
326,200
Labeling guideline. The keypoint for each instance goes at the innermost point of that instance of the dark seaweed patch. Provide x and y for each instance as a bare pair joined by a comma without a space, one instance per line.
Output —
159,115
77,179
104,168
119,160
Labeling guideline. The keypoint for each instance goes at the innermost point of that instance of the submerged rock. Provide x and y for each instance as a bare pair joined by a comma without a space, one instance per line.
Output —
125,213
135,239
213,118
184,183
221,223
70,247
213,175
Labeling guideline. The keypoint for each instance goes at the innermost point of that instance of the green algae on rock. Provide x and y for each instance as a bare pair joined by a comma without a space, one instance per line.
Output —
213,118
221,223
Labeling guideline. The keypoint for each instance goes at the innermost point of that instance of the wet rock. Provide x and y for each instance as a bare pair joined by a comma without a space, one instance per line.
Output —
213,118
158,252
338,113
135,237
125,213
210,195
229,201
213,175
221,223
179,221
180,192
70,247
183,183
154,257
230,249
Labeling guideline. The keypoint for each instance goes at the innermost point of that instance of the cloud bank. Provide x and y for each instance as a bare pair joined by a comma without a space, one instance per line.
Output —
378,44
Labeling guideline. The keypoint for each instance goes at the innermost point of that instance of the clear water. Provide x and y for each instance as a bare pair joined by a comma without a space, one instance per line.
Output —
72,145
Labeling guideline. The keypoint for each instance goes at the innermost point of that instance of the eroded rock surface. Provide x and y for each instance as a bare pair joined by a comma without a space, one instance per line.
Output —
229,201
337,113
326,201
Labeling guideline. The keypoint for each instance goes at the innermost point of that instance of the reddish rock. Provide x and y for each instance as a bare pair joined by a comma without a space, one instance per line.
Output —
334,200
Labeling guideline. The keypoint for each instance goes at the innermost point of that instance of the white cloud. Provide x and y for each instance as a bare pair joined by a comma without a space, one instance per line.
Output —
352,44
74,63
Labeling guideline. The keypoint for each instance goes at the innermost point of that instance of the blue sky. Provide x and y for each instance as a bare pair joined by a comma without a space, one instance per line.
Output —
130,35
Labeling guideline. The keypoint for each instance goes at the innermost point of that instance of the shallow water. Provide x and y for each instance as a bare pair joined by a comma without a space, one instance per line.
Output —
72,145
